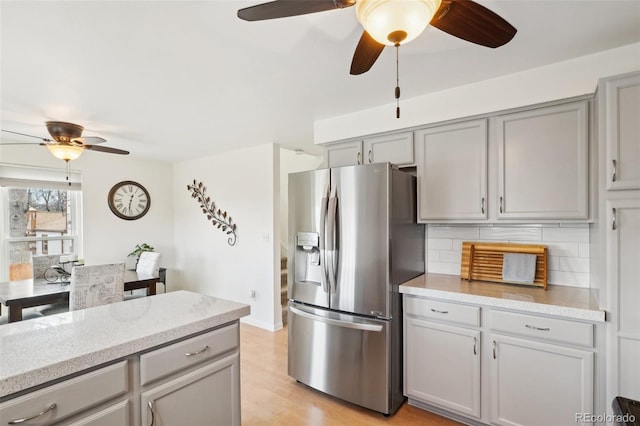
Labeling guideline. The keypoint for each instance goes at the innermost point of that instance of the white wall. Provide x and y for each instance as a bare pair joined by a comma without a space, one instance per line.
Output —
291,162
557,81
107,238
243,183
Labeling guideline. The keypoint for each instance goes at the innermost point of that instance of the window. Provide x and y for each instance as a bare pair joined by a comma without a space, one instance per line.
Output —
40,217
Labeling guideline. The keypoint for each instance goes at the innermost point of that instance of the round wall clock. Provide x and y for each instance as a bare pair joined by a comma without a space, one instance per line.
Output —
129,200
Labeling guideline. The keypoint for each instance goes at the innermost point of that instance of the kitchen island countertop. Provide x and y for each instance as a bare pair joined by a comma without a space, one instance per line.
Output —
564,301
41,350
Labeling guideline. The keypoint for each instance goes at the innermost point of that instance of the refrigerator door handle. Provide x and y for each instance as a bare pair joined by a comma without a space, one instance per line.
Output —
323,242
331,236
339,323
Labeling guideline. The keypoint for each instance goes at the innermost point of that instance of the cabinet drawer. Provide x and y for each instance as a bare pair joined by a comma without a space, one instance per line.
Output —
165,361
552,329
442,311
69,397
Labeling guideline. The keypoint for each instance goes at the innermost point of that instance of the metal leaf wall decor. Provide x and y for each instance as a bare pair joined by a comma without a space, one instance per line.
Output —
218,217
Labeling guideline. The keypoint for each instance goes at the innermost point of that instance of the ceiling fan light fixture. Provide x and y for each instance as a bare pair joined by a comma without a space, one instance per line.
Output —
65,152
384,19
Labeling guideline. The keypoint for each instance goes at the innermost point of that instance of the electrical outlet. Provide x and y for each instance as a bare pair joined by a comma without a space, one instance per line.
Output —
252,294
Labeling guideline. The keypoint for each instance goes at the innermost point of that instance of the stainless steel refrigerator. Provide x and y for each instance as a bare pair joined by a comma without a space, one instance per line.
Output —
353,239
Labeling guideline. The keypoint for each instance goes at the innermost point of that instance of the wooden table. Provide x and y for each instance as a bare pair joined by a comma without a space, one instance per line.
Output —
17,295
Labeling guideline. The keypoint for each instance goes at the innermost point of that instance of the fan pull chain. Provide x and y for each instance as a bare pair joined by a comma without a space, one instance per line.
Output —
397,92
68,171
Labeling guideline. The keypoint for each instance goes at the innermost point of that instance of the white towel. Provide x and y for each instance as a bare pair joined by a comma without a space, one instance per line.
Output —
519,268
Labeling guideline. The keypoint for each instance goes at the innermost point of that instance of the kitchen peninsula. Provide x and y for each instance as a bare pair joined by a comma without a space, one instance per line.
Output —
172,356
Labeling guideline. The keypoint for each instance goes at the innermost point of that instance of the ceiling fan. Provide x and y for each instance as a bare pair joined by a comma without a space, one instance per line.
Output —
397,22
67,143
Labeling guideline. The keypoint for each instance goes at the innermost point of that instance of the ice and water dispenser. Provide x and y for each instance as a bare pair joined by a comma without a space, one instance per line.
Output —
307,262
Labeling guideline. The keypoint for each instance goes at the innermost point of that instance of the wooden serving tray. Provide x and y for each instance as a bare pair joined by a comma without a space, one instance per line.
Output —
482,261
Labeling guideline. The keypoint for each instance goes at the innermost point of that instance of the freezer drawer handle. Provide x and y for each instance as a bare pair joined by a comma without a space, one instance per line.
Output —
346,324
439,312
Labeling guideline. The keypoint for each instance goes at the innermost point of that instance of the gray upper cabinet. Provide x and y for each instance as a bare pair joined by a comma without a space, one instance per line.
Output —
543,163
344,154
395,148
620,126
452,171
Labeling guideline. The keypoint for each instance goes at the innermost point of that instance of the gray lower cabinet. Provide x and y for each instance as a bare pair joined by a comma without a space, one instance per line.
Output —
531,369
78,401
208,395
195,381
442,355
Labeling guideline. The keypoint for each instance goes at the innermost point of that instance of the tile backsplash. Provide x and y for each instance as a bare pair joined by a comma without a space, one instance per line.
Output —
568,247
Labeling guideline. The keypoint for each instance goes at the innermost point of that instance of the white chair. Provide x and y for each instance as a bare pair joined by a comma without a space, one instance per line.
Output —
148,264
95,285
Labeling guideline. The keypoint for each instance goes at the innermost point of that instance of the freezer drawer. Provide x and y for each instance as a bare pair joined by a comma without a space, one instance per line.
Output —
342,355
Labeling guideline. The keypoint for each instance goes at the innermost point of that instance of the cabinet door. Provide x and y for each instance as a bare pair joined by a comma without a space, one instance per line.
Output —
543,163
207,396
395,149
623,279
452,171
344,154
442,365
622,131
535,383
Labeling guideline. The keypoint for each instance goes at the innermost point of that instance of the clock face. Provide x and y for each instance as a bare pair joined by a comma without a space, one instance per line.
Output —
129,200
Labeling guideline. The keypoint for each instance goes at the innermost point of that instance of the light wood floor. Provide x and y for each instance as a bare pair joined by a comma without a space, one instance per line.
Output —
271,397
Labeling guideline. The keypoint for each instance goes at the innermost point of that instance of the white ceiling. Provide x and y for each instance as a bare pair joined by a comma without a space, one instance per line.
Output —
180,79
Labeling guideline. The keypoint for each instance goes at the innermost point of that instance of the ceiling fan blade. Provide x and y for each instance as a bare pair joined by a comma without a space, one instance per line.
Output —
21,143
472,22
366,54
285,8
106,149
29,136
89,139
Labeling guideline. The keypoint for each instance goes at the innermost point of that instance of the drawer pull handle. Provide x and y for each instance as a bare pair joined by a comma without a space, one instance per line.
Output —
358,158
41,413
439,312
369,156
153,417
494,349
482,205
206,348
614,176
613,219
500,204
533,327
475,341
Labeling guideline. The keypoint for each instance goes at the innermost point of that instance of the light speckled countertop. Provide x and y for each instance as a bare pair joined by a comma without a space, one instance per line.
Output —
39,350
569,302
